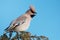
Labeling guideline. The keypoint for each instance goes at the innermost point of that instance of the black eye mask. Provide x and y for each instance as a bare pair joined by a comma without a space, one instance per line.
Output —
32,16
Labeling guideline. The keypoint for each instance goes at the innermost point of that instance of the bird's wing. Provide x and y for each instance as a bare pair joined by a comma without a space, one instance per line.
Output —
17,22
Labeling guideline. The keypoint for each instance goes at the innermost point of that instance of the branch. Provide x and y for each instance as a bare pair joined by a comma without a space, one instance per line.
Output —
23,36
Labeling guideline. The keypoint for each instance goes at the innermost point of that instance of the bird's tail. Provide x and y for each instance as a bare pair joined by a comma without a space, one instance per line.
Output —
10,34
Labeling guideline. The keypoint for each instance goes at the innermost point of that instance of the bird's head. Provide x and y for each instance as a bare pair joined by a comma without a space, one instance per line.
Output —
31,11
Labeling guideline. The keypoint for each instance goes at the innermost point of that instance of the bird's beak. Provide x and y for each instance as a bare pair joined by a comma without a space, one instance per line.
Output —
35,13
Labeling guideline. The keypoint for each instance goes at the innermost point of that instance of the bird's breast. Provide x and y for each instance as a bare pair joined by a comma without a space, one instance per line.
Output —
24,26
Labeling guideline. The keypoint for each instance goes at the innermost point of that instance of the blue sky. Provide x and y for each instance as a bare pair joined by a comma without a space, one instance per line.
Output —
46,22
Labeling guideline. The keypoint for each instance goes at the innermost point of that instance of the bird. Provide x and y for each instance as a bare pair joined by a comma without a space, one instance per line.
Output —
22,23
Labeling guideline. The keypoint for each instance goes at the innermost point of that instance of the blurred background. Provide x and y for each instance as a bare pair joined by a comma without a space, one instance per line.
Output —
46,22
